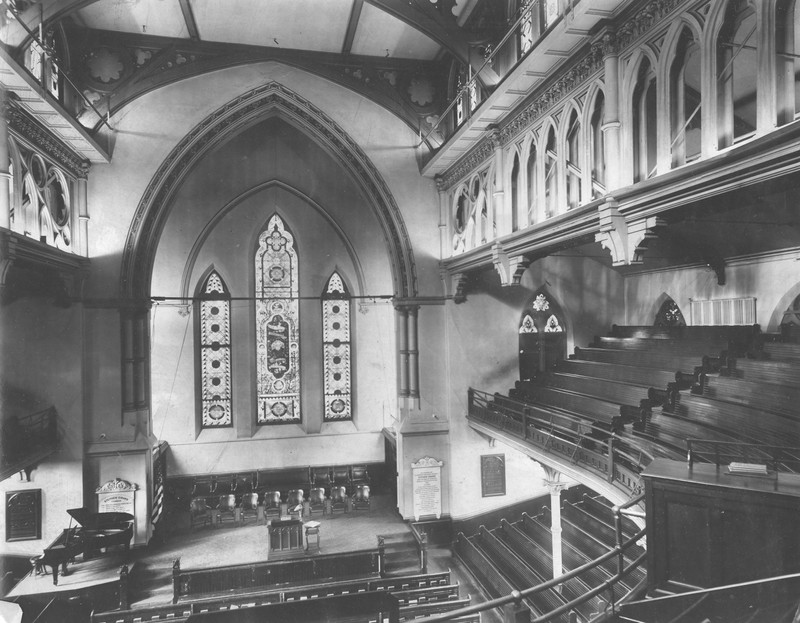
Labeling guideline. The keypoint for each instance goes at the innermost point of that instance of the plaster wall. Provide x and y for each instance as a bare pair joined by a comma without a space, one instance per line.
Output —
41,365
773,279
480,342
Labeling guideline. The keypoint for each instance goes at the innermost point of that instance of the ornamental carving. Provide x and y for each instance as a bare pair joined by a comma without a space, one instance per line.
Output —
115,486
26,127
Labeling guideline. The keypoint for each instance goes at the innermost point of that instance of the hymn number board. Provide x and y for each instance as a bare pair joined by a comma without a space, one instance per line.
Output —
24,515
493,475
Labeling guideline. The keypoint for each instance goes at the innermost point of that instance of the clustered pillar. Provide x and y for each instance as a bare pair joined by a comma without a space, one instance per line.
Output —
408,353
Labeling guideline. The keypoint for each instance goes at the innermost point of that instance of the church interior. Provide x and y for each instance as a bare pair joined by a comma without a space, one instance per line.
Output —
381,310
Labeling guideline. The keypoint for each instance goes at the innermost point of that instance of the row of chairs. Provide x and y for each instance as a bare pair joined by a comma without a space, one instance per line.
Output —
241,484
295,503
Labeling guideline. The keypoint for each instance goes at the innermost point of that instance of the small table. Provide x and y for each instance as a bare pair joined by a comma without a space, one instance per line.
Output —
312,529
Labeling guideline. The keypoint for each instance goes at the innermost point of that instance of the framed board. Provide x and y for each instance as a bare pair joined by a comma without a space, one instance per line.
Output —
24,515
493,475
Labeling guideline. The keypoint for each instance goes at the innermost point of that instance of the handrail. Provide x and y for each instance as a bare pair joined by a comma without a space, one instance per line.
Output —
421,539
719,451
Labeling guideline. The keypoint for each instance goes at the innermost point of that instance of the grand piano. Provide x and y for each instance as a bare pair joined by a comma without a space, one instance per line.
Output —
94,532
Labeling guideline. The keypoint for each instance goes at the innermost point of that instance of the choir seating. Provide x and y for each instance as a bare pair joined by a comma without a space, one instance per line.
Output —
294,503
321,477
316,501
199,514
361,498
272,504
249,506
338,499
226,509
359,475
341,476
283,480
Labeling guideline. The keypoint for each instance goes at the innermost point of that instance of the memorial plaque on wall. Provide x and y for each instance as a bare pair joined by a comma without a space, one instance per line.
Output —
24,515
427,487
116,496
493,475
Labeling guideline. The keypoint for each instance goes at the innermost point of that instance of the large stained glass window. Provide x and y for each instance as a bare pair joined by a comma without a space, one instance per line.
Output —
336,350
277,326
215,353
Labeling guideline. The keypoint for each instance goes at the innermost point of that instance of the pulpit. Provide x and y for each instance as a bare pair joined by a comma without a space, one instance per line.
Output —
284,538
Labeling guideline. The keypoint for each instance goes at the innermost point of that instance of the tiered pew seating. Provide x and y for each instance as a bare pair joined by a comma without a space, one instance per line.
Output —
763,371
518,573
633,375
781,399
748,423
782,351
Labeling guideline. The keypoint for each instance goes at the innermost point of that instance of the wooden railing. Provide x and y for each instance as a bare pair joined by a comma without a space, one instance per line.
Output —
569,436
193,583
775,459
421,539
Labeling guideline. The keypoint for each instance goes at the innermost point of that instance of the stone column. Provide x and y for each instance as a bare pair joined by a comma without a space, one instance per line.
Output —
82,205
402,351
501,216
611,123
555,486
444,219
5,174
413,355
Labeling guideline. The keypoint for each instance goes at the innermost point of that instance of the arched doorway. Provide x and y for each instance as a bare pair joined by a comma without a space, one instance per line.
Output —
542,337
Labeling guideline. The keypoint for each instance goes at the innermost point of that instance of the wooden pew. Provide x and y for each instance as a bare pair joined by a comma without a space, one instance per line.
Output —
764,371
782,351
517,572
683,347
781,399
632,375
407,613
743,422
426,595
646,359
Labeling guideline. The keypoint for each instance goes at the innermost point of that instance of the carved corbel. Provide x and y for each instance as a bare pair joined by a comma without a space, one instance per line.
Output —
459,288
613,233
510,268
717,264
626,242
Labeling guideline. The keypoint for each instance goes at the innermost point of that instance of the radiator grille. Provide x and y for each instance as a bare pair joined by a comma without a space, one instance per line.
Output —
741,311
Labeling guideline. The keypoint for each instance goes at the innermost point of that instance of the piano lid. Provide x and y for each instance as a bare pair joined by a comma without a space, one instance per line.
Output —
99,521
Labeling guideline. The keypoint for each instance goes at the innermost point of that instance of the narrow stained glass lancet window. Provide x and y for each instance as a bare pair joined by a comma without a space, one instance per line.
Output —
215,353
336,350
277,326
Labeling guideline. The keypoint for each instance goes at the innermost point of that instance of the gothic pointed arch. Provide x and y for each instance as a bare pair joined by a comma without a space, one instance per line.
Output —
242,112
669,314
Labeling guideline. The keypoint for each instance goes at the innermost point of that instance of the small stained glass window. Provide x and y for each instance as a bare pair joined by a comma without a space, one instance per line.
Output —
336,350
552,325
527,325
669,315
215,354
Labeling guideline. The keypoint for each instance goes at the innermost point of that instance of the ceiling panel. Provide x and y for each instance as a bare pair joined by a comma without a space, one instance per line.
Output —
293,24
380,34
162,18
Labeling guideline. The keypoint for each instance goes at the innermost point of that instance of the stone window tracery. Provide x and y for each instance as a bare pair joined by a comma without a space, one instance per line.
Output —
215,354
277,326
336,350
40,198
